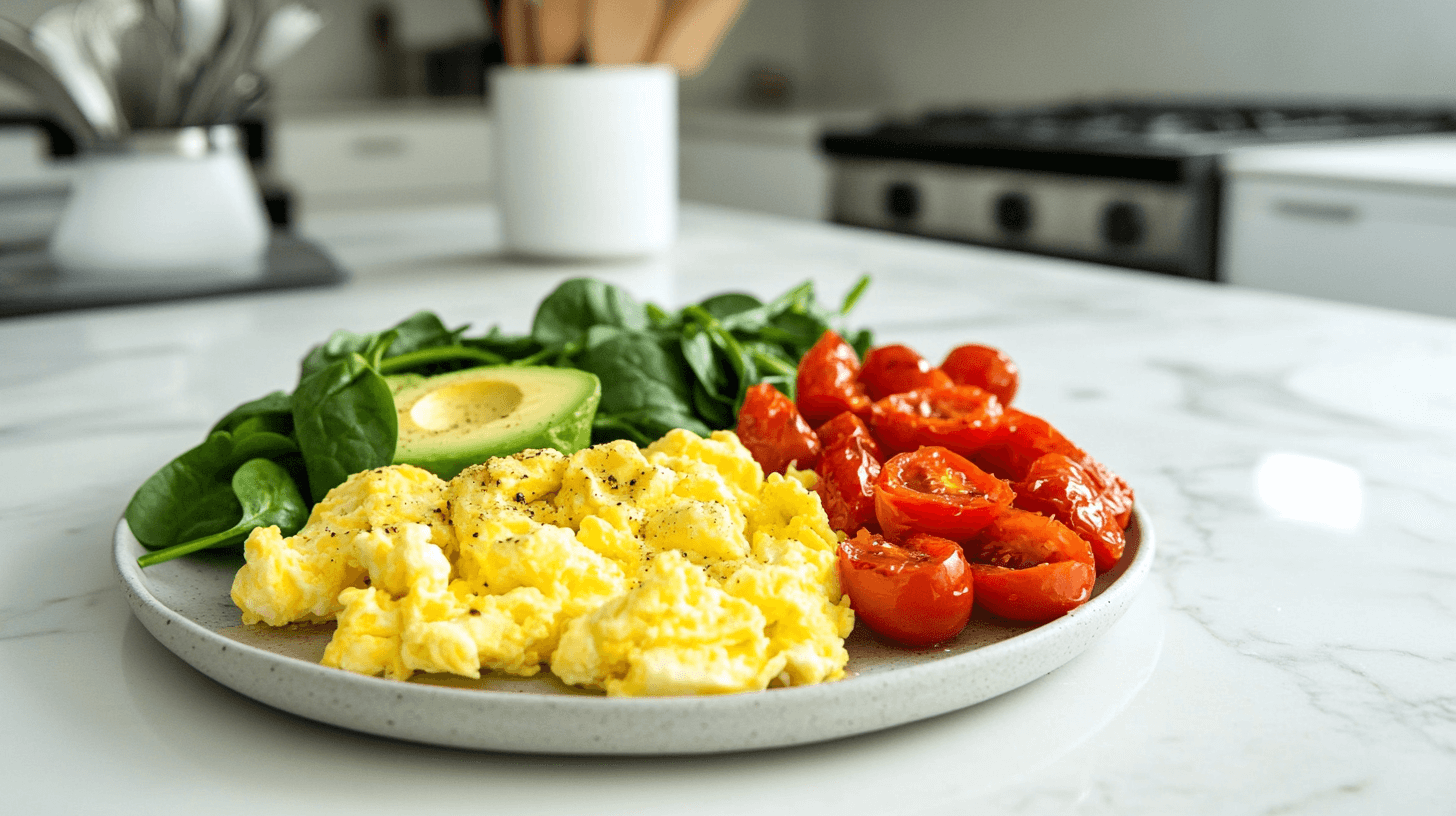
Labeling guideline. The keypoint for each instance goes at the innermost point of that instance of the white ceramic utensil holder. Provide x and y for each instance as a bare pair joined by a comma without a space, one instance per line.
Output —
167,203
586,159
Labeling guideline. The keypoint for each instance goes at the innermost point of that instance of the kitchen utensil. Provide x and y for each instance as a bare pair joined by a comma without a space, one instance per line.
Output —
622,31
199,26
133,49
284,32
559,27
514,32
211,95
692,32
56,35
23,62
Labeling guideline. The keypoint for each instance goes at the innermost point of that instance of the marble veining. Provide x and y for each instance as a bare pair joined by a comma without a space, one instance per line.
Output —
1294,651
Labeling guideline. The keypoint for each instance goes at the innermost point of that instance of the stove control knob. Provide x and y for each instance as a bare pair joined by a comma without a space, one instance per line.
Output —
1123,224
1013,212
902,200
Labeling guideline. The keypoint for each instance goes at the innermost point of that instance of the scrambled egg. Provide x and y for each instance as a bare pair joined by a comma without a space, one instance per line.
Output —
673,569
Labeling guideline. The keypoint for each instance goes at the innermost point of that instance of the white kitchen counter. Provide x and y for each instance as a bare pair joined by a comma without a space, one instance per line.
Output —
1294,650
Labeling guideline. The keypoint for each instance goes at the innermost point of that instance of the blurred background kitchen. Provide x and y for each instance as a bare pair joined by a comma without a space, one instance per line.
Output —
1307,146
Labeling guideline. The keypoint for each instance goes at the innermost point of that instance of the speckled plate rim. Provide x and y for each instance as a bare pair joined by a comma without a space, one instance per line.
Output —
929,685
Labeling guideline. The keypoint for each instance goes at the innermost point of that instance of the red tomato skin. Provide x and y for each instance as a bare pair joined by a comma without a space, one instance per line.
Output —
1021,438
1034,595
1029,567
936,491
896,369
827,383
918,594
984,367
848,426
847,470
1059,487
963,418
773,431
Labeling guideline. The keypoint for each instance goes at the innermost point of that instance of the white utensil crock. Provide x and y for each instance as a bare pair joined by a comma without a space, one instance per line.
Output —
586,159
166,203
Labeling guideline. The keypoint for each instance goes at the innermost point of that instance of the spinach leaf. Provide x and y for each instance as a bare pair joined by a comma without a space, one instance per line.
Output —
643,384
422,330
578,304
190,495
266,495
275,405
345,421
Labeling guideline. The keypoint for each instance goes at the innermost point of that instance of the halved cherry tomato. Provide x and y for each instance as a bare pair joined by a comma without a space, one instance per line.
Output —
770,427
847,426
983,367
918,594
937,491
960,417
1059,487
896,369
1029,567
1020,439
848,469
828,381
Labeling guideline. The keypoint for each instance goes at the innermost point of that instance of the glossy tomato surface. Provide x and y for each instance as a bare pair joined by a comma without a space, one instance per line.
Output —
962,418
1029,567
773,431
828,381
1059,487
1020,439
984,367
896,369
847,470
936,491
844,427
917,594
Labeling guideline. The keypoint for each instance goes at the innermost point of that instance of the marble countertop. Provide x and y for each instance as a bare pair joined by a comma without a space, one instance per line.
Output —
1293,652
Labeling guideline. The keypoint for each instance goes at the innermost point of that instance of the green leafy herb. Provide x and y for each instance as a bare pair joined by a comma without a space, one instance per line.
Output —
345,421
266,495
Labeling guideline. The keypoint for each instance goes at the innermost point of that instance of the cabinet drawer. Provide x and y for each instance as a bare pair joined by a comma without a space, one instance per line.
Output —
343,159
1383,246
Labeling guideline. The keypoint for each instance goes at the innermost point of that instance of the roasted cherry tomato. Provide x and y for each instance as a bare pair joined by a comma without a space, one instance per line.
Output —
1059,487
848,469
847,426
1021,438
1029,567
828,381
937,491
896,369
918,594
960,417
983,367
770,427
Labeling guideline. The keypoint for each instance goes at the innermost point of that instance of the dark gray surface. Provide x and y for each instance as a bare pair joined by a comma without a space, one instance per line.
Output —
30,284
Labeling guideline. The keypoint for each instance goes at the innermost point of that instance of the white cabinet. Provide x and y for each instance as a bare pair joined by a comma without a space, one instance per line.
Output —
767,161
374,155
1370,222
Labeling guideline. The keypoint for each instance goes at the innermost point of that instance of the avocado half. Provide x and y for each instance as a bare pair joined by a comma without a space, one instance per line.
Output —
452,421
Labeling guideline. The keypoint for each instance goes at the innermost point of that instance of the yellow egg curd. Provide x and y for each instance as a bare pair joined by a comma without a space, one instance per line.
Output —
666,570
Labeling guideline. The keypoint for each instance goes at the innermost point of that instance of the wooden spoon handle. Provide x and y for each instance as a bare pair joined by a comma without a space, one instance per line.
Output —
515,32
692,32
560,24
622,31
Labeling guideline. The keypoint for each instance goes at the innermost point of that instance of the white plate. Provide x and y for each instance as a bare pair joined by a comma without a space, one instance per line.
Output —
185,604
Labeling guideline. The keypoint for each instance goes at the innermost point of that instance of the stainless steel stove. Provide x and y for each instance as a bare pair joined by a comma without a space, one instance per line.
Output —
1130,184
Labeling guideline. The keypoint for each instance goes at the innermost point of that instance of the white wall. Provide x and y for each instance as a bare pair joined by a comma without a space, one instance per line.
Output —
915,53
